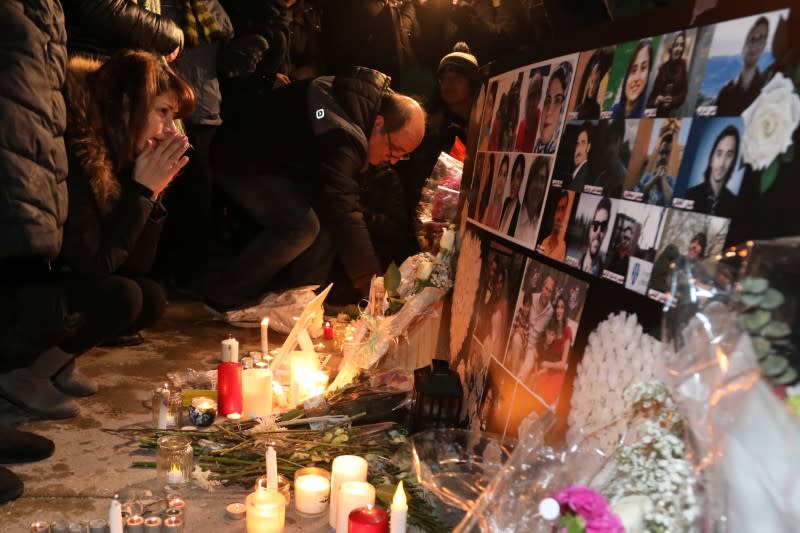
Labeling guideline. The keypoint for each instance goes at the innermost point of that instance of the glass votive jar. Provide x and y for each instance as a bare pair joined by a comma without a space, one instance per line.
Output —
284,487
40,526
312,490
167,407
97,525
173,524
202,411
76,527
134,524
174,459
152,524
59,526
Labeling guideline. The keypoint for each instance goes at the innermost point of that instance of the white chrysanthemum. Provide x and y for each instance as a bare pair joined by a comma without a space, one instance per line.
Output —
466,287
618,355
200,478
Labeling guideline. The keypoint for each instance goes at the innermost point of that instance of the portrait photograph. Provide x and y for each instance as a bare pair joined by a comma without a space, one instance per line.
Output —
736,68
628,79
546,317
482,186
498,399
533,91
553,230
554,104
635,234
513,202
711,171
686,238
494,123
604,150
534,191
669,83
591,80
656,160
588,233
503,134
497,193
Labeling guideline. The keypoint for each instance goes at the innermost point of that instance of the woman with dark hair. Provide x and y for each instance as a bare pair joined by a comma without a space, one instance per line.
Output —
697,247
124,150
552,359
492,218
497,308
672,81
588,107
499,124
634,85
553,109
486,120
712,195
554,244
528,223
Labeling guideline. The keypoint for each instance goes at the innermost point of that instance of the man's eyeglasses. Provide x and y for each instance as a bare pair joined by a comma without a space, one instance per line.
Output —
393,152
598,225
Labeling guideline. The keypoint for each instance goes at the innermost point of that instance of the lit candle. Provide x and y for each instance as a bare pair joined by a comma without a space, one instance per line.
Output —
327,331
399,510
179,503
230,350
369,519
257,392
115,516
344,468
152,524
173,524
175,475
352,495
266,511
303,371
265,337
312,487
272,469
135,524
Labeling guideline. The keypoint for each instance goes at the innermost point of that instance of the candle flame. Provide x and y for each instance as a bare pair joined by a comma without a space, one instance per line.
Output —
265,321
399,495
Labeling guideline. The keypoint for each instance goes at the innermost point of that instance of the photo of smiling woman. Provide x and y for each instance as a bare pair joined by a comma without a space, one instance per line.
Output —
630,97
554,108
554,225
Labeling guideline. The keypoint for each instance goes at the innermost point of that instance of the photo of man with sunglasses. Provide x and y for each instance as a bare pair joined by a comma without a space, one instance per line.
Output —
592,259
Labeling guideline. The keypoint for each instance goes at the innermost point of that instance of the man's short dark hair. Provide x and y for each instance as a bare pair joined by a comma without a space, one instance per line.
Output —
702,240
585,126
759,21
604,203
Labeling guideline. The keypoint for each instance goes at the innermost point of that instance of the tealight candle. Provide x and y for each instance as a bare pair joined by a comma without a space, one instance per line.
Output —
399,510
312,487
344,468
39,525
235,511
152,524
134,524
369,519
173,524
175,475
266,510
352,495
202,411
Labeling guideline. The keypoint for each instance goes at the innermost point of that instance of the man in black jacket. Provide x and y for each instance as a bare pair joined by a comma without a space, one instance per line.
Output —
292,165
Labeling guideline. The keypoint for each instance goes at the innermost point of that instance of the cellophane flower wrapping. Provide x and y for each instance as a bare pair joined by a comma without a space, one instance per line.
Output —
725,321
438,204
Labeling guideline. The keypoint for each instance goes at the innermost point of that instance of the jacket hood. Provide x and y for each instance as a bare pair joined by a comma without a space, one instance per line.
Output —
85,142
359,92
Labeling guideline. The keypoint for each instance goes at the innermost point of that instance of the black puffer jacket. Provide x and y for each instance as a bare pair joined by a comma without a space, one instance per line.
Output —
33,161
316,131
101,27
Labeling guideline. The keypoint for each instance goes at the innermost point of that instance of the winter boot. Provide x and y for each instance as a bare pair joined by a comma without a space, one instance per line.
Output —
23,447
72,381
11,486
31,388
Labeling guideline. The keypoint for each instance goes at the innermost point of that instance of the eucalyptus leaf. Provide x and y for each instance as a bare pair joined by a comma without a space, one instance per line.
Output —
762,346
754,285
771,299
392,278
753,321
774,365
788,376
751,300
776,329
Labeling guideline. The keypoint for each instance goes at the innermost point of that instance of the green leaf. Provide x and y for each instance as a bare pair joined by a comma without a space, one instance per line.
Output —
754,285
771,299
776,329
769,175
788,155
755,320
391,280
395,304
572,523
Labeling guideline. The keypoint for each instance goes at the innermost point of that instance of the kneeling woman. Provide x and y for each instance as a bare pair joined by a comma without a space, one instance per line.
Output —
123,151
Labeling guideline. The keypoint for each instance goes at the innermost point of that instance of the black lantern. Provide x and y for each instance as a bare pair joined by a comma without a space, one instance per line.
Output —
437,397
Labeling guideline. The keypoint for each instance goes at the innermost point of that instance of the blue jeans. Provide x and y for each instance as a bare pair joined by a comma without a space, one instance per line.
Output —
290,242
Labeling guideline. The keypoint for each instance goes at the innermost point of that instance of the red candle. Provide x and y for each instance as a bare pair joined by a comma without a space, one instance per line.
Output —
229,388
327,331
369,519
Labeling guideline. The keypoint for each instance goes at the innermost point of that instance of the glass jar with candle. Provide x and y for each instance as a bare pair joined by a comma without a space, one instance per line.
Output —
312,489
284,487
266,510
167,407
174,459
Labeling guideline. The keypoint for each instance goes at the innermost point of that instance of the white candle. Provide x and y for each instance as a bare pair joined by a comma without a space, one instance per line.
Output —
230,350
303,376
115,517
272,469
169,420
352,495
257,392
399,511
264,337
266,511
344,468
175,475
311,493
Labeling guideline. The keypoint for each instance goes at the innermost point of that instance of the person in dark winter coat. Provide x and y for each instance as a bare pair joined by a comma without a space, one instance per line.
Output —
123,151
98,28
292,165
33,203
